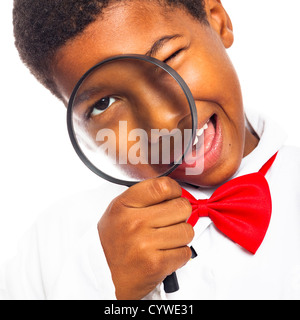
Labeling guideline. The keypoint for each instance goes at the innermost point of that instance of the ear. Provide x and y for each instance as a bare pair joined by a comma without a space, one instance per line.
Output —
220,21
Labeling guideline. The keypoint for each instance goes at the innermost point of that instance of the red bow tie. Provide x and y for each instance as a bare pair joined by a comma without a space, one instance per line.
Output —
241,208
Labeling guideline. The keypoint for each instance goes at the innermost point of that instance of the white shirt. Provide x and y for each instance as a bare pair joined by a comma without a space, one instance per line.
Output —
61,256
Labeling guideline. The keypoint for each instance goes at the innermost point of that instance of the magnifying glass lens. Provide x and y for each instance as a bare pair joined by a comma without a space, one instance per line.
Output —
131,118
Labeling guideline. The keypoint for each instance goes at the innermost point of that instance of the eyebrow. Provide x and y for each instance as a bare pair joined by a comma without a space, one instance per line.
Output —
86,95
160,43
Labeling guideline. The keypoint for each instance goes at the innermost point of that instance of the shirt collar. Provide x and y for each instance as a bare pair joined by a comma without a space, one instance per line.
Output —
272,138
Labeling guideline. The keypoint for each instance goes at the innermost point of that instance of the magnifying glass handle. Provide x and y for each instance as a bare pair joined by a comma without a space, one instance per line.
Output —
171,283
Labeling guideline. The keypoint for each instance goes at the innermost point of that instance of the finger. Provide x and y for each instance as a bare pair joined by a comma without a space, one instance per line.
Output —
175,258
151,192
168,213
173,237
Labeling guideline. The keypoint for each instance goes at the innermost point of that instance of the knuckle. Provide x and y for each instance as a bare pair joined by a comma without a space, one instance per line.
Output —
116,204
129,220
154,265
185,206
187,253
142,247
187,231
135,222
132,224
163,185
190,232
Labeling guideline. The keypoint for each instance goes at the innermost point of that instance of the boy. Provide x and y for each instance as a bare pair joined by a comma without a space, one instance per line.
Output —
143,231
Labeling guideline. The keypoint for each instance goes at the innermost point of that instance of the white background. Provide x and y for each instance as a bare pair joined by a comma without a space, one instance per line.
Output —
37,163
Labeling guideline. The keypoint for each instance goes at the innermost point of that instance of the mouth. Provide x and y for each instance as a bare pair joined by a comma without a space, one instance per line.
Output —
207,132
207,145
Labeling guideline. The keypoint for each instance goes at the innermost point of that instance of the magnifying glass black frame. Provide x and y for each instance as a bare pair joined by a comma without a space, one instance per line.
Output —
170,283
153,61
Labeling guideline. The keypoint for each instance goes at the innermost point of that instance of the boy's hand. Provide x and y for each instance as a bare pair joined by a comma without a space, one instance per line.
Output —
144,235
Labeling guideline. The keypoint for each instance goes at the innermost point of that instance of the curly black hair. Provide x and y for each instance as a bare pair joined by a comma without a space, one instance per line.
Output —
41,27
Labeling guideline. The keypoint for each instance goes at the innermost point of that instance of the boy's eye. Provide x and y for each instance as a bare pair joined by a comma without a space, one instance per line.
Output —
101,105
172,56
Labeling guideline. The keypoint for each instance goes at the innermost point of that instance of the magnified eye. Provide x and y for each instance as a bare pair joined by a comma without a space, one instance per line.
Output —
102,105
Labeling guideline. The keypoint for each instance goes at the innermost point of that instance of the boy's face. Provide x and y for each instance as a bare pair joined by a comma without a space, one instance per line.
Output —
194,50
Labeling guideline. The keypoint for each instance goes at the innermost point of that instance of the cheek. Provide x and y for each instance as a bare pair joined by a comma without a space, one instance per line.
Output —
213,78
216,89
217,83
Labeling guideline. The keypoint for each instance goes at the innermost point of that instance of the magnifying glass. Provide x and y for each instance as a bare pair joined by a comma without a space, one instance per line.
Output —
131,118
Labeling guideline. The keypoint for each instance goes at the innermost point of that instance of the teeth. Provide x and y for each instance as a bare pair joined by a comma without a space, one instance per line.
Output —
199,133
196,140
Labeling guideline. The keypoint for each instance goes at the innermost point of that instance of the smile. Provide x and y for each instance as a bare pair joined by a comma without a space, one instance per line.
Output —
207,145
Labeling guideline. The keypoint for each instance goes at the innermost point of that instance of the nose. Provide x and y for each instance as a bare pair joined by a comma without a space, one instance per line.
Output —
161,104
